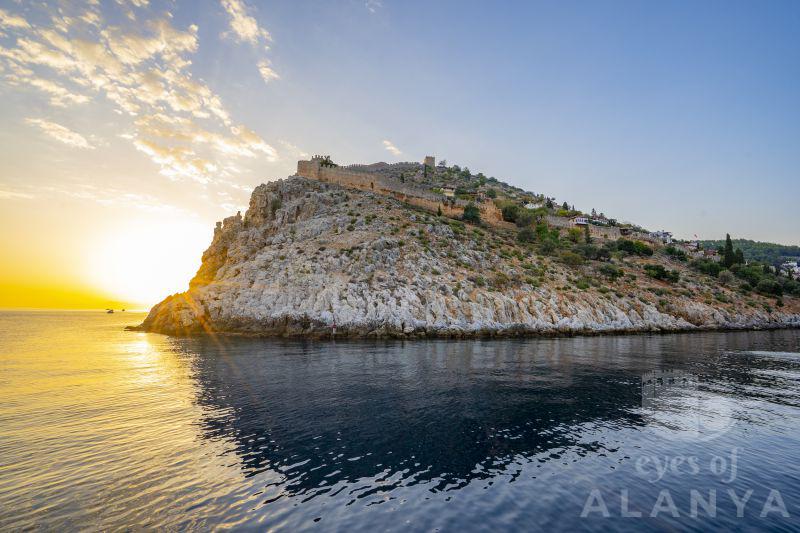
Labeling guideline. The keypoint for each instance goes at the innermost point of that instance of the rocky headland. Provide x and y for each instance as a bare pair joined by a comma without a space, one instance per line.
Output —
314,258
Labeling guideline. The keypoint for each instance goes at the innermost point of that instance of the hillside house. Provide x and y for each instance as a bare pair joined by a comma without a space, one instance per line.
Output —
449,192
580,221
663,236
791,267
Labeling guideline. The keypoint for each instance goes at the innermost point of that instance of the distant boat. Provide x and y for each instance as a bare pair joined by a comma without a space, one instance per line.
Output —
109,311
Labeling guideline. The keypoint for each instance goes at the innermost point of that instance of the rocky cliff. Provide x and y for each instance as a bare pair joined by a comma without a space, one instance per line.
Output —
315,259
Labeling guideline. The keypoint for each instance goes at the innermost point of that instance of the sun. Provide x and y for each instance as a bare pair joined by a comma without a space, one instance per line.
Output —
144,261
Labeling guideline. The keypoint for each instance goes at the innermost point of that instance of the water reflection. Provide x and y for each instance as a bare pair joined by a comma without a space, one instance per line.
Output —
106,429
447,413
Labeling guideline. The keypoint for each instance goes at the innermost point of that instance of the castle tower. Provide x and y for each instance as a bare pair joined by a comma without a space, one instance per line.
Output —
430,161
309,169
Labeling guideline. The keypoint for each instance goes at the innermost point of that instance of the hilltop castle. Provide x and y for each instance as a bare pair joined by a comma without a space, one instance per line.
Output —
414,190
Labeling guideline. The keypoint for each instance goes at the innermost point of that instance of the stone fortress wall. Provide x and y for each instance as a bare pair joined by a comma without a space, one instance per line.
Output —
359,179
353,177
356,177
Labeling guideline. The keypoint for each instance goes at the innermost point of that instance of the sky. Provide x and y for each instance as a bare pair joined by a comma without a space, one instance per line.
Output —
128,127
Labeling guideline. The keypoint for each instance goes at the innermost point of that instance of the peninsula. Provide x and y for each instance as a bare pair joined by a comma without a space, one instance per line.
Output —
427,249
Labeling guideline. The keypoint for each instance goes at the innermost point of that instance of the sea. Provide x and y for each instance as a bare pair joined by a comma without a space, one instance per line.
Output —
103,429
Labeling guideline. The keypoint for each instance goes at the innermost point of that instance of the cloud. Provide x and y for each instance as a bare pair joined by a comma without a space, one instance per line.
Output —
177,162
11,195
245,29
60,133
163,40
266,71
111,197
8,20
137,3
143,70
292,151
244,26
373,5
391,148
240,141
59,96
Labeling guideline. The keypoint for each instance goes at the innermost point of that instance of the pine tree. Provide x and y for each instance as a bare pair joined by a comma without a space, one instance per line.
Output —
739,256
587,234
728,255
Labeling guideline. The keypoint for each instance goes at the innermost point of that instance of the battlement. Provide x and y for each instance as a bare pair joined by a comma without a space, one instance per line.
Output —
356,177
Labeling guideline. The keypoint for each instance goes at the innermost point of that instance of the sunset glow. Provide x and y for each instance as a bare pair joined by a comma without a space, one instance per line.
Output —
143,263
127,129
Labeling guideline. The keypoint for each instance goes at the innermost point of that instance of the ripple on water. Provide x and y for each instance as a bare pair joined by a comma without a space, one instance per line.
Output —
106,429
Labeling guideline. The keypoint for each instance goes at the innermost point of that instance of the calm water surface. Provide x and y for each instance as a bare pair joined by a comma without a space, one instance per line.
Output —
106,429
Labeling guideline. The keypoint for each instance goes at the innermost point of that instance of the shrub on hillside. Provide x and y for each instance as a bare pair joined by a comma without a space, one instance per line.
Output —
574,234
676,253
471,214
611,272
634,247
525,218
500,281
510,212
659,272
725,277
526,235
769,286
706,266
571,258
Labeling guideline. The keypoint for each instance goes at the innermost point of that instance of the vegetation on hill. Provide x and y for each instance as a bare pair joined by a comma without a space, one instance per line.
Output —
765,252
742,270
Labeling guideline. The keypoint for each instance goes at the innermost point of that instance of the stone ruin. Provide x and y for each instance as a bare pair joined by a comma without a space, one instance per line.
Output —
358,177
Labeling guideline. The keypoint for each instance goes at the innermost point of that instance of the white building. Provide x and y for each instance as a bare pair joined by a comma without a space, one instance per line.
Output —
663,236
791,266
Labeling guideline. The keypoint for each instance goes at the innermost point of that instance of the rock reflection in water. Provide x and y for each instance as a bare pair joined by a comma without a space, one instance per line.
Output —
442,411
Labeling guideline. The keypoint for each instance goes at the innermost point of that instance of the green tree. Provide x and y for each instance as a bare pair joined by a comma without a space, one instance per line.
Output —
438,210
491,193
659,272
571,258
525,218
725,277
526,235
574,234
587,235
510,212
728,255
611,272
739,256
471,214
